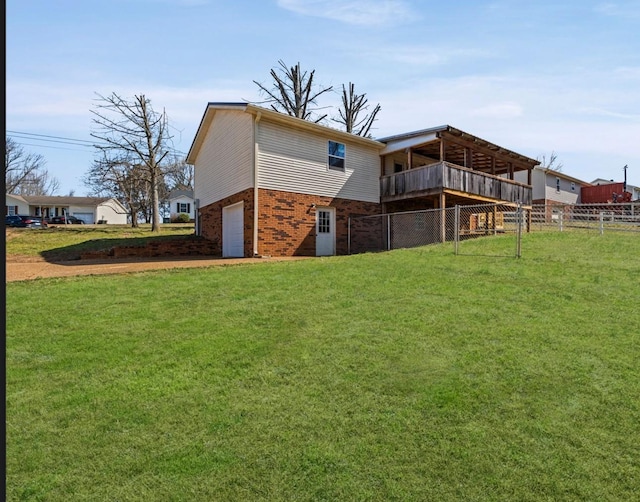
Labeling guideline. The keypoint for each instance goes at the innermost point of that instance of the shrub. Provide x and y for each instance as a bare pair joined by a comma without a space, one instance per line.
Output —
181,218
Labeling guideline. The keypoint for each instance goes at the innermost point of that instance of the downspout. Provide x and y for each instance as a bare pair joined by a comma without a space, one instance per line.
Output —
255,183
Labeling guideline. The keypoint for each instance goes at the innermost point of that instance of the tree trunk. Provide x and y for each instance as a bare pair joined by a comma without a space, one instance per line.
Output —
155,213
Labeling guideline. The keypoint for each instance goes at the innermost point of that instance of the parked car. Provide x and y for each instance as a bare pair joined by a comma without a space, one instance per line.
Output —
22,221
62,220
10,219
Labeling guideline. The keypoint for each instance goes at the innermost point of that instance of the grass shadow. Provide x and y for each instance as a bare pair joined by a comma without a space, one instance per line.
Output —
74,252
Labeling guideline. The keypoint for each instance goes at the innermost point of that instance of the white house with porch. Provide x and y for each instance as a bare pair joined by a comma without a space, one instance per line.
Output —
88,209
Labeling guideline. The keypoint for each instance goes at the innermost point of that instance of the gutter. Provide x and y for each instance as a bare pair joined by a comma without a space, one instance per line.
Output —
256,149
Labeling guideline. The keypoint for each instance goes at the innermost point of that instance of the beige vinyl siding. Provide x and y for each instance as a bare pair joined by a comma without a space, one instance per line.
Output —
565,195
293,160
112,213
225,162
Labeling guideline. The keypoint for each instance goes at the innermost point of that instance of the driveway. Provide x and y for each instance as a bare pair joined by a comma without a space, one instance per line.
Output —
28,268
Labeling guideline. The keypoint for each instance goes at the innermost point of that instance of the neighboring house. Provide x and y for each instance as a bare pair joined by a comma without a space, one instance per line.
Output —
88,209
182,201
270,184
553,187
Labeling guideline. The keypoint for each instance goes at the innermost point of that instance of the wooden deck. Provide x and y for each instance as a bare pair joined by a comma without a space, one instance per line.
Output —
442,177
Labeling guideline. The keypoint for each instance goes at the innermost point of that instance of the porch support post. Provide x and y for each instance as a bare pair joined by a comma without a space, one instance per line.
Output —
493,165
409,158
442,154
495,217
529,177
443,217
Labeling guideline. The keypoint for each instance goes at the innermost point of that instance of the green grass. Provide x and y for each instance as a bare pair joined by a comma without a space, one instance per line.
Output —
409,375
67,242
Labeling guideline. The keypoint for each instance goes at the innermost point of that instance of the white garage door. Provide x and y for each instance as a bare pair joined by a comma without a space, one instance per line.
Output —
86,217
233,231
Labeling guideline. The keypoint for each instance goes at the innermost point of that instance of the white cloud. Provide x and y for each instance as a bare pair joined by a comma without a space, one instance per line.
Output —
358,12
629,9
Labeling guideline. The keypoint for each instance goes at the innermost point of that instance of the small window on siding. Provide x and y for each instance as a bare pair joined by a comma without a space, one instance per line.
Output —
336,156
573,187
558,185
184,207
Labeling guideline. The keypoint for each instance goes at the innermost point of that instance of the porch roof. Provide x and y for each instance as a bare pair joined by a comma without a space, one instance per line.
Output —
447,143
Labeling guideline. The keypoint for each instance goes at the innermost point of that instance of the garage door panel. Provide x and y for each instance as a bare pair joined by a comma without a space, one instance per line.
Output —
86,217
233,231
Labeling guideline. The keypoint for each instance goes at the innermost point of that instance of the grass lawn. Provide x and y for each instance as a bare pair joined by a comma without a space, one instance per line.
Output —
67,242
408,375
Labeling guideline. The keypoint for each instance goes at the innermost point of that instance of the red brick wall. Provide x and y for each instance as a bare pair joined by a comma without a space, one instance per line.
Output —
286,221
184,246
211,221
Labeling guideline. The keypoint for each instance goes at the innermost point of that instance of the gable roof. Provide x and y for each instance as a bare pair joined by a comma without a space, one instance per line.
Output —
174,194
282,118
562,175
61,200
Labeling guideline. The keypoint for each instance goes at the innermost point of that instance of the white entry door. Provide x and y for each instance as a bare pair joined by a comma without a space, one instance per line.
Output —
233,231
325,231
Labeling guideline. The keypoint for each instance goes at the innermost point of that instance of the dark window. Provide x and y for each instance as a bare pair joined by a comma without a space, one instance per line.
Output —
336,156
324,222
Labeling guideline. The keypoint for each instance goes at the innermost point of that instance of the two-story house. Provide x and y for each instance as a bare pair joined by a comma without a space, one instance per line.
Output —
270,184
554,187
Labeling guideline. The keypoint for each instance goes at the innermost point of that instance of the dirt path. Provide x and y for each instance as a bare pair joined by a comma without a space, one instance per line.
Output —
28,268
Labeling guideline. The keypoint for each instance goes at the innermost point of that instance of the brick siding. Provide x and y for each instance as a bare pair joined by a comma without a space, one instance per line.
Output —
287,221
187,246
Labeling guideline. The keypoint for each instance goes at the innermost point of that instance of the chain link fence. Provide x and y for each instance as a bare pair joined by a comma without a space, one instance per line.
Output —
460,224
619,217
456,224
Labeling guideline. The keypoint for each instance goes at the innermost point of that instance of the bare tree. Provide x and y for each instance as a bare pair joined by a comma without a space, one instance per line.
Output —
179,175
350,113
120,180
293,92
25,173
552,163
134,137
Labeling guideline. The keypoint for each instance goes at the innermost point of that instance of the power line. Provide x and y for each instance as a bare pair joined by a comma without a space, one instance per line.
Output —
60,139
51,139
51,146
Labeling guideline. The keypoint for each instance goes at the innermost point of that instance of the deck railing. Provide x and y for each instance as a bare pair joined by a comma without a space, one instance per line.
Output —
435,178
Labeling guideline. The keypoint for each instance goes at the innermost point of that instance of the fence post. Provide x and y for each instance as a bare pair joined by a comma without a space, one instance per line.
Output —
560,219
456,233
601,223
349,235
519,218
388,232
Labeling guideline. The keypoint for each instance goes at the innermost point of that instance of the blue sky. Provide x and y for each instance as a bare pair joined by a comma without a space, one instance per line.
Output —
533,76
